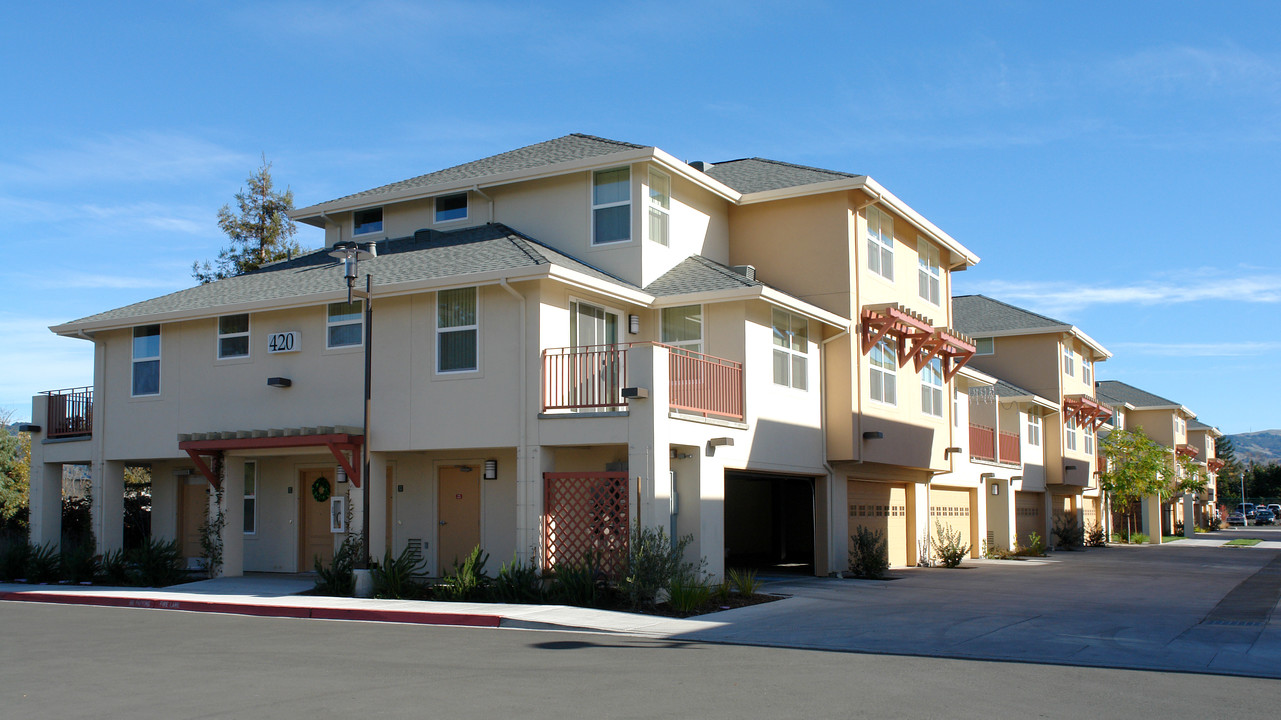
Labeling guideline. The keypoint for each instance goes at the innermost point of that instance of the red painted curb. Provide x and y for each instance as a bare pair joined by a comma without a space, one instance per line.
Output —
359,614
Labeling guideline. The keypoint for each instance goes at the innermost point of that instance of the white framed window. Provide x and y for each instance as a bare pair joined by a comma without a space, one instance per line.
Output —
984,346
451,207
660,207
1087,371
251,497
883,382
791,350
146,360
929,272
1088,433
1069,433
344,325
611,206
956,406
1069,362
457,330
880,243
932,388
1180,426
1034,430
233,336
365,222
682,327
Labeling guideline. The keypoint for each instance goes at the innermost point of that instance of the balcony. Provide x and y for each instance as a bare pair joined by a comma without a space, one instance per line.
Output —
70,413
988,445
592,378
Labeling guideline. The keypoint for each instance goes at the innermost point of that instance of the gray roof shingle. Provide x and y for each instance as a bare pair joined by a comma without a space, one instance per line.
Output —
751,175
977,315
426,255
1115,392
562,149
698,274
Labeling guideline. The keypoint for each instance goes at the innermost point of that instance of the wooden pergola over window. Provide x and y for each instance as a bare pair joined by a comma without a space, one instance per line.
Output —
917,338
1215,464
338,443
1085,409
1186,450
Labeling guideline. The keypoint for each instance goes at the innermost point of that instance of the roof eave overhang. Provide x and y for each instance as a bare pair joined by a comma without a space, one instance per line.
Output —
976,376
1101,353
313,214
755,292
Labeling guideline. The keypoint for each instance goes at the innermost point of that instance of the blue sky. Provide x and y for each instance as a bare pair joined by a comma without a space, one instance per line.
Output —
1114,164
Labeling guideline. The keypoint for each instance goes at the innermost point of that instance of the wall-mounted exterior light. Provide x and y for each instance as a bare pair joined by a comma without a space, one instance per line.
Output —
491,469
633,324
873,435
279,382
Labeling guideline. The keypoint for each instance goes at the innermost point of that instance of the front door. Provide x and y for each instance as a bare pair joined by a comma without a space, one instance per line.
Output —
458,510
314,538
195,509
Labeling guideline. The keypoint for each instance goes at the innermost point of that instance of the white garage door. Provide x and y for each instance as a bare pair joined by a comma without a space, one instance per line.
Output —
953,510
883,507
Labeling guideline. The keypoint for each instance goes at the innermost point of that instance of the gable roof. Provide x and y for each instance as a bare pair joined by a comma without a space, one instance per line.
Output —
750,175
699,274
427,255
1115,392
981,316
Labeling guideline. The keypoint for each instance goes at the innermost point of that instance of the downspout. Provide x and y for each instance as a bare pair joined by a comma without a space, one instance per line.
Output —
522,449
476,189
831,472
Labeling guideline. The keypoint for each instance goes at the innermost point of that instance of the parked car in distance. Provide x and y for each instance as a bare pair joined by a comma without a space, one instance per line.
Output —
1247,510
1236,518
1275,508
1264,516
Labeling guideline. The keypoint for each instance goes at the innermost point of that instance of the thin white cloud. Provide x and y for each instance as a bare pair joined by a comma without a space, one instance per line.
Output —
1060,297
1183,69
1175,349
125,158
102,281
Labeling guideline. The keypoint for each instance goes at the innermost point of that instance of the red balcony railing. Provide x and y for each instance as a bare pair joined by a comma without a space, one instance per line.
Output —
593,378
70,412
1009,449
982,443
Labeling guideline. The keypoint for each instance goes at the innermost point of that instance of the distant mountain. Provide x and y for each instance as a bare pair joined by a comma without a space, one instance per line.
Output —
1262,447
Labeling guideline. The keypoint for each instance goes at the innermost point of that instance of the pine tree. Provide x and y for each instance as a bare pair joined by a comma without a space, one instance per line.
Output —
260,230
1232,468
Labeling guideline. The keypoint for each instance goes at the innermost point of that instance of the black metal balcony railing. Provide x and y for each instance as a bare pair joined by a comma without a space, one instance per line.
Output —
70,412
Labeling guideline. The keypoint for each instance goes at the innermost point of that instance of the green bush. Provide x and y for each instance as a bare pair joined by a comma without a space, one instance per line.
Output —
156,563
869,553
78,562
1139,538
1067,534
113,569
1094,535
393,577
468,581
688,593
582,583
745,582
13,559
948,546
518,582
340,577
722,591
653,562
43,564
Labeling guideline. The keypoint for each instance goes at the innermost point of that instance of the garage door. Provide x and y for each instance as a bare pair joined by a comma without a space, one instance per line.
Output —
951,509
1029,511
1090,513
883,507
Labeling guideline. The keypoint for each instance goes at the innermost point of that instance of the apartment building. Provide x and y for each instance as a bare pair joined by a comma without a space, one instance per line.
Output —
564,340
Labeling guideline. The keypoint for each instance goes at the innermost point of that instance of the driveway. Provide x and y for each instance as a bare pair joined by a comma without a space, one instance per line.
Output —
1196,608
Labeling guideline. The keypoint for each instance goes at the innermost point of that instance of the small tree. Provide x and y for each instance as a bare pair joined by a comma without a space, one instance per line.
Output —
1134,469
260,230
15,469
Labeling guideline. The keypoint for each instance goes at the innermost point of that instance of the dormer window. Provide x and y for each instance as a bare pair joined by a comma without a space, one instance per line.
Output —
611,206
365,222
451,207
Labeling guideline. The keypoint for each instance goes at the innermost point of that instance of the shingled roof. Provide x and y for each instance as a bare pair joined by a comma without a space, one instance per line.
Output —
978,315
425,255
751,175
698,274
1115,392
568,148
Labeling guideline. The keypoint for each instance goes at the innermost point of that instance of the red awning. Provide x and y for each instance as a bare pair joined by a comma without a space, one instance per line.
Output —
917,338
338,443
1085,409
1187,450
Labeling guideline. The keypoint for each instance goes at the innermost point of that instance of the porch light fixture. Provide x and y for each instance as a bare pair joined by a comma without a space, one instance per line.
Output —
635,393
873,435
279,382
633,324
351,254
491,469
340,475
950,450
987,476
996,488
714,443
1069,467
28,428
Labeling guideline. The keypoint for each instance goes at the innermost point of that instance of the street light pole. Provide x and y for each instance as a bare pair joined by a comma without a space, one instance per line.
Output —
1245,519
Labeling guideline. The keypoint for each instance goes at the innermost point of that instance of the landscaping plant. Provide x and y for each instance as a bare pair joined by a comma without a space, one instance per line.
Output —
653,562
156,563
518,582
745,582
688,593
951,551
468,581
1067,534
43,564
869,554
340,577
579,583
393,577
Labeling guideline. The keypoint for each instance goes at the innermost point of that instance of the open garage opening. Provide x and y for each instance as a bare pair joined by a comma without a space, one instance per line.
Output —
769,523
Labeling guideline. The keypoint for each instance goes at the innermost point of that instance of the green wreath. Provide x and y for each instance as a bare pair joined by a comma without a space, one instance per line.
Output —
320,489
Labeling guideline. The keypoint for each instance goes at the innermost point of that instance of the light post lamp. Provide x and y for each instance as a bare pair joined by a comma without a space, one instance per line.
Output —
351,254
1245,519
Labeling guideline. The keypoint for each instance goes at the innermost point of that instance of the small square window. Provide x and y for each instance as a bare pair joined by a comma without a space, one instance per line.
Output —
451,207
367,221
345,324
233,336
984,346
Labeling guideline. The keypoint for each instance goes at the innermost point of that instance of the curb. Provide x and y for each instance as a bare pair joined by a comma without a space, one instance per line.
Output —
289,611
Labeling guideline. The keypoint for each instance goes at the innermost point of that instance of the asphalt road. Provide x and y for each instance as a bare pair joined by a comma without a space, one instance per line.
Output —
59,661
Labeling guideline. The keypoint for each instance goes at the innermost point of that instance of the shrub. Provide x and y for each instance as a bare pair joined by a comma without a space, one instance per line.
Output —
393,577
468,581
1067,534
157,563
579,583
13,559
1138,538
518,582
722,591
745,582
688,593
77,520
1094,535
340,577
948,546
42,564
113,568
869,553
78,562
653,562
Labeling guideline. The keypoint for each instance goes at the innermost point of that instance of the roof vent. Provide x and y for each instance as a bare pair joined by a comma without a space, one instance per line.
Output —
701,166
747,271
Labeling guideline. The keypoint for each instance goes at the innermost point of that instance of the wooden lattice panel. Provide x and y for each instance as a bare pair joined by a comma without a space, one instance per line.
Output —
586,512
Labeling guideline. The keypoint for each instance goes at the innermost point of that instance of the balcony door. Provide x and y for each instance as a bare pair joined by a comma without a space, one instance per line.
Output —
598,362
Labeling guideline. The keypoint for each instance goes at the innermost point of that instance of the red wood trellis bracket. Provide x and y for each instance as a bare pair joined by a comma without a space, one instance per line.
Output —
1215,464
918,339
337,443
204,469
353,473
1186,450
1085,409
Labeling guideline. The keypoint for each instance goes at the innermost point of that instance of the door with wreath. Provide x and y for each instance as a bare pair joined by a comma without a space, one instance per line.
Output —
315,487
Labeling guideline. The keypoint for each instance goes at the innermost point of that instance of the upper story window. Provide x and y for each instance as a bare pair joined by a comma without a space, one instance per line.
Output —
984,346
1087,371
457,335
451,207
880,243
791,350
683,327
611,206
367,221
251,497
883,382
932,388
345,324
930,272
956,406
1069,433
1034,430
146,360
1069,359
660,202
1089,439
233,336
1180,426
